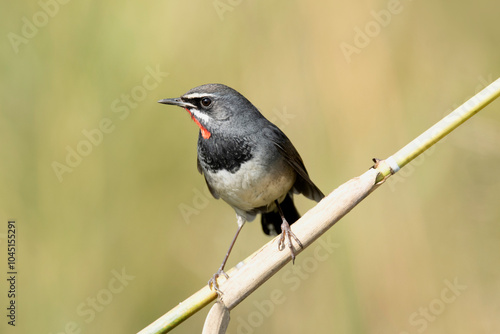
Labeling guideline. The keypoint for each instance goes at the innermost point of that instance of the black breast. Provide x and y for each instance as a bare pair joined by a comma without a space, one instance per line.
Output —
227,153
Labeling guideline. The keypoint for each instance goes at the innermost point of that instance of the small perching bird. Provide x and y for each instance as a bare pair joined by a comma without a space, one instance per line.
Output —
248,162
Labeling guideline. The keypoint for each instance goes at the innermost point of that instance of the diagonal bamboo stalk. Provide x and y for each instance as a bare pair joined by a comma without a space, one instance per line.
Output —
265,262
440,129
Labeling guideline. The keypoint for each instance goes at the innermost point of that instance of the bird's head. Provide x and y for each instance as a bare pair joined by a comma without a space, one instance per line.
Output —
216,107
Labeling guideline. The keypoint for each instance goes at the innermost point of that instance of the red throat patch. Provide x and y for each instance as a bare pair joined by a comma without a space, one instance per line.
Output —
204,132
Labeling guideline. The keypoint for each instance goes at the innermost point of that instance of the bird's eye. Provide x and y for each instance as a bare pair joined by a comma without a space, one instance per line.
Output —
206,102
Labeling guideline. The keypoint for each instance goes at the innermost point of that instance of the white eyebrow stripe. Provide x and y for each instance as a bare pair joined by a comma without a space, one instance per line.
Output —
197,95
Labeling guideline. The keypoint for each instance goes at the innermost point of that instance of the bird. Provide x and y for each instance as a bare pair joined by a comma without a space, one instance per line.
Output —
248,162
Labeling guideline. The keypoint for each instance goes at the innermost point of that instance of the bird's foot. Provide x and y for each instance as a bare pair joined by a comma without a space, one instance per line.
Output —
212,283
286,237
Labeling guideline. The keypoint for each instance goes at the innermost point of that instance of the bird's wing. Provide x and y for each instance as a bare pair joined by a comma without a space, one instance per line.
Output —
303,184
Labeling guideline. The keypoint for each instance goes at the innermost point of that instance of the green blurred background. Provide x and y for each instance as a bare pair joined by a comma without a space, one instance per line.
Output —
85,65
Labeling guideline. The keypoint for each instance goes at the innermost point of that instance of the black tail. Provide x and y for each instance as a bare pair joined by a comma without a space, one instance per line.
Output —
271,221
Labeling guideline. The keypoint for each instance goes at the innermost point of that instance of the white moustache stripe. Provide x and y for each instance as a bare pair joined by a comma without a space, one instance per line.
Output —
199,115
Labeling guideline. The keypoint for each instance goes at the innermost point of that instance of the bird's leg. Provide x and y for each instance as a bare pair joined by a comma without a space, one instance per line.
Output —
286,233
213,281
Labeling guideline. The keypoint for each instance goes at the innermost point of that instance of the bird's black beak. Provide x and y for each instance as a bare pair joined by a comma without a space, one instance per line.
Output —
177,102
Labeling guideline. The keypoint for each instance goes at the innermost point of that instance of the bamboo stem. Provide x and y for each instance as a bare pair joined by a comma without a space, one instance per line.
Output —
268,260
439,130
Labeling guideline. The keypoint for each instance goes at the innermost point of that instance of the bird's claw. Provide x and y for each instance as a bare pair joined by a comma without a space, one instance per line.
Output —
212,283
286,237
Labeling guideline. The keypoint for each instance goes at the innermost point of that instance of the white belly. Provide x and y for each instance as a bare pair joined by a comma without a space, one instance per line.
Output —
251,187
